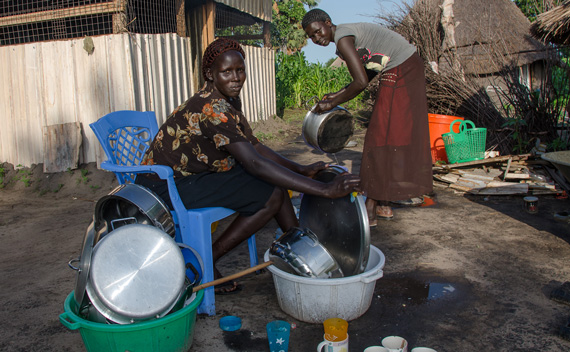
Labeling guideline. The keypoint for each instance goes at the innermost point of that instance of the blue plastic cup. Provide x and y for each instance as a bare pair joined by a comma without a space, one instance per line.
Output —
278,335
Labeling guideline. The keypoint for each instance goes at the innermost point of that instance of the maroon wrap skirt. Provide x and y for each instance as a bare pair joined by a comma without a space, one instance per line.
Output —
396,159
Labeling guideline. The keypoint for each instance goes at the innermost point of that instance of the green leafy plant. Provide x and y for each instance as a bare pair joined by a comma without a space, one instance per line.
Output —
2,175
264,136
83,178
24,176
299,84
520,144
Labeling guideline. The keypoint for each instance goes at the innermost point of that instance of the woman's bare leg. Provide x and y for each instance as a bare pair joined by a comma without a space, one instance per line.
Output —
244,226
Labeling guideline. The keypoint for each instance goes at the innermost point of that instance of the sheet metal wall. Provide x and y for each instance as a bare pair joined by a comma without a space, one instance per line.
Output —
258,94
50,83
257,8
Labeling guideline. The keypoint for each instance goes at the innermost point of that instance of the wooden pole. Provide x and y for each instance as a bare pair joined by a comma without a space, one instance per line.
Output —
233,276
42,16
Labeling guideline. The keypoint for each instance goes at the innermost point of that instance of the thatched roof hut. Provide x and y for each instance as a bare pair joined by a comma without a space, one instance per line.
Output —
488,29
554,25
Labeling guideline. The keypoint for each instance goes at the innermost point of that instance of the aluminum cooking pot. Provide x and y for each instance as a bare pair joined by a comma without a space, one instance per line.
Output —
330,131
137,273
298,251
131,204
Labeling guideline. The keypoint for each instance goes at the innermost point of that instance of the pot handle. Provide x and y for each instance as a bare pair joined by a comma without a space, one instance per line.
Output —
72,261
374,275
64,318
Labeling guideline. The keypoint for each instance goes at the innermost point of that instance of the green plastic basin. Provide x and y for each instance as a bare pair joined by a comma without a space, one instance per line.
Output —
173,332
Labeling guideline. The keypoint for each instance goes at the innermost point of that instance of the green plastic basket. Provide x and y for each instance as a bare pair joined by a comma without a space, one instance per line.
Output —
467,145
172,333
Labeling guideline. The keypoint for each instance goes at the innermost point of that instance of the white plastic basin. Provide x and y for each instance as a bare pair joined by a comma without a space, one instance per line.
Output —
315,300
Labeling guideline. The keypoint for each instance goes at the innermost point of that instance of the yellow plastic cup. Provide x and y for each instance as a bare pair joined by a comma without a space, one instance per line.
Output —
336,329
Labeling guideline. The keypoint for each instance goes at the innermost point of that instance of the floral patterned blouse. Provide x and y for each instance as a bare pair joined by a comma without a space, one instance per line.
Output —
193,137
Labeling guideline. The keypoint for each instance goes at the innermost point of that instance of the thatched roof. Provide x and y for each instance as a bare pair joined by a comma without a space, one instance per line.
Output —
554,25
487,28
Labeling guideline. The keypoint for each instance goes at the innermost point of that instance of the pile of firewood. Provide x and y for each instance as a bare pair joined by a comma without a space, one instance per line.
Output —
504,175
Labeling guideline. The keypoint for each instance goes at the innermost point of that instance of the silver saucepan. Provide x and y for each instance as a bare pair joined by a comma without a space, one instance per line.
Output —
299,252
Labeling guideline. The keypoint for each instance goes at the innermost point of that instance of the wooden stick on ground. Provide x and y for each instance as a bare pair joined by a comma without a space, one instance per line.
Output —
233,276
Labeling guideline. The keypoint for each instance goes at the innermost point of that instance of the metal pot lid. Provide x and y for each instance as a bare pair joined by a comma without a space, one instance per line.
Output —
132,204
340,224
137,273
299,252
84,265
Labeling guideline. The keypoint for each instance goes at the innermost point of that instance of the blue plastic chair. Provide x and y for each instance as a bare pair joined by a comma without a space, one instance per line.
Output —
125,136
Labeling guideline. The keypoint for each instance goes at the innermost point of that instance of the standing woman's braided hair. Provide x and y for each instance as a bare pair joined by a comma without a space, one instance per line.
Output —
315,15
217,48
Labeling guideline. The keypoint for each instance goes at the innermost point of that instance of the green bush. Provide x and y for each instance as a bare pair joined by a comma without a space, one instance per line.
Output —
299,83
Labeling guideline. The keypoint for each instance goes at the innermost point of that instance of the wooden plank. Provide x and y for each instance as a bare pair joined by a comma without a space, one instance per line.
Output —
487,161
515,176
50,15
465,182
459,188
450,178
62,143
473,176
503,188
508,167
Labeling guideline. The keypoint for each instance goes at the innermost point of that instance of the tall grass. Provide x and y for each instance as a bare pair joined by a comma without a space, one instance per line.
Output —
299,83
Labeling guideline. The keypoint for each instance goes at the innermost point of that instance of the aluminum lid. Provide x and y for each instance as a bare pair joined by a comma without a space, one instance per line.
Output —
84,265
137,273
341,225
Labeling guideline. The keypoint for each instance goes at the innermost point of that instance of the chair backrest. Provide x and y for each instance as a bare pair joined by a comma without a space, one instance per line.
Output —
125,136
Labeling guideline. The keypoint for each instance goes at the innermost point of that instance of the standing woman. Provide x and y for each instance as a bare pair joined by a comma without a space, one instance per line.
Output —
396,159
218,162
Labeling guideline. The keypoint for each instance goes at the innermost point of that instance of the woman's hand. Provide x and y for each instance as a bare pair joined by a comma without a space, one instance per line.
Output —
343,185
324,105
312,169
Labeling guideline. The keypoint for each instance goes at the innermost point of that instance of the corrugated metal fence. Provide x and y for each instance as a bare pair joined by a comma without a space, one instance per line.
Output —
51,83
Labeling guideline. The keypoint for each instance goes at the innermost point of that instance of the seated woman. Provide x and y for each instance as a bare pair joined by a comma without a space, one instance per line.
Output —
218,162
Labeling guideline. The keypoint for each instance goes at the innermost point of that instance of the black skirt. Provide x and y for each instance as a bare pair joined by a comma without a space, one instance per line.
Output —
234,189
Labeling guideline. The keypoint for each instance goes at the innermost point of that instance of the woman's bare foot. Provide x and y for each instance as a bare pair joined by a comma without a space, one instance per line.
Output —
384,212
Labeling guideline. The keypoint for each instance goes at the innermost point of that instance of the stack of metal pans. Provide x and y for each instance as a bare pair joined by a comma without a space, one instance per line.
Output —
130,269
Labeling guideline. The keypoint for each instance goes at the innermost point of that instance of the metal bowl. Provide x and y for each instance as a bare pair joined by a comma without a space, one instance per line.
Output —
340,224
137,273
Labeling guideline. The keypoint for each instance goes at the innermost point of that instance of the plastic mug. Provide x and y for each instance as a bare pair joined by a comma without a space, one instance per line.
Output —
278,335
395,344
423,349
333,346
335,329
376,349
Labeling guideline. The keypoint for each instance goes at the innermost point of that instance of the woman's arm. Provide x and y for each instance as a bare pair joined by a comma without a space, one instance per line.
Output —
345,46
281,176
306,170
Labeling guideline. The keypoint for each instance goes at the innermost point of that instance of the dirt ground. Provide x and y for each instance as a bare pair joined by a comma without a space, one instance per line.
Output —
469,273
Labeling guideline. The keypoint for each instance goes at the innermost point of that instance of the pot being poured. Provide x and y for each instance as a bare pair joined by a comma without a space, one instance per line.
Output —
330,131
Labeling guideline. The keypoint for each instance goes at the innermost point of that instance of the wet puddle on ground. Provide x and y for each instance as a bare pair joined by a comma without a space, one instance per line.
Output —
416,291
